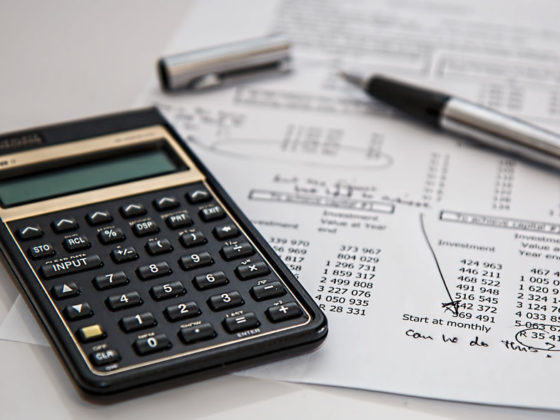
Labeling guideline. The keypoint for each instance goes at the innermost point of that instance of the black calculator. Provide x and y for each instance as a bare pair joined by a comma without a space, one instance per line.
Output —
137,262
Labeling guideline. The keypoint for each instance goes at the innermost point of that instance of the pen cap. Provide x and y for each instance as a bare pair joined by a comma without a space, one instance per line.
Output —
216,65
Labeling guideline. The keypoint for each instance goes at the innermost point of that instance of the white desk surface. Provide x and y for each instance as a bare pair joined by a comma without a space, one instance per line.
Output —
61,60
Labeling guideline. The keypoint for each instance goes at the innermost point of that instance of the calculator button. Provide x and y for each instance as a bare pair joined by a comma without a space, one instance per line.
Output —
179,220
104,357
145,228
110,280
91,333
99,217
252,270
211,213
268,291
126,300
192,261
78,311
226,231
198,196
64,225
191,239
133,210
182,311
283,312
137,322
167,290
241,322
166,203
154,270
70,266
197,333
111,235
41,251
29,232
122,255
240,250
225,301
153,344
159,246
210,280
76,243
66,290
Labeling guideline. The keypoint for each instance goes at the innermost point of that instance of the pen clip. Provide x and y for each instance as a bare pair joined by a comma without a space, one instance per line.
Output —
219,65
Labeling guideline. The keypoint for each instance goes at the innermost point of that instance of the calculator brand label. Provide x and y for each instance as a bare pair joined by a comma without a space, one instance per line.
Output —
11,144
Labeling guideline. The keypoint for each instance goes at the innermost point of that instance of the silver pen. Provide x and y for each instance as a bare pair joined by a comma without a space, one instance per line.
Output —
460,116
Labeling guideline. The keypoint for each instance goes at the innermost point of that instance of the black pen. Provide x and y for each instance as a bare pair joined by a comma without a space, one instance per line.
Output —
466,118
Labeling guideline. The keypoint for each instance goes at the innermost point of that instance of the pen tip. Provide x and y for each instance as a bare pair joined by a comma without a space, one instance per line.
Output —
353,77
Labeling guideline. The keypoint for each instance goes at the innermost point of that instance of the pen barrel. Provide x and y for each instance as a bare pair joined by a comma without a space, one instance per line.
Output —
500,131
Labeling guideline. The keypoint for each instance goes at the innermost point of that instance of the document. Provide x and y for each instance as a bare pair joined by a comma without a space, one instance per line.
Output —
436,261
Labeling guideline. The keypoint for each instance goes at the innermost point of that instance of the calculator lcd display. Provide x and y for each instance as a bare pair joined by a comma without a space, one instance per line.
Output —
86,176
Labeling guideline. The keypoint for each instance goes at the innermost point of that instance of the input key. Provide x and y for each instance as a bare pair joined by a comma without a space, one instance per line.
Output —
70,266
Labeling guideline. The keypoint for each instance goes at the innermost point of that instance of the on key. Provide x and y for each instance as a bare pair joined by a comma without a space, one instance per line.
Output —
74,265
104,357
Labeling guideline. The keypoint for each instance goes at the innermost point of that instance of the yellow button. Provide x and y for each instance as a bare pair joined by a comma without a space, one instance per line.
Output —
91,332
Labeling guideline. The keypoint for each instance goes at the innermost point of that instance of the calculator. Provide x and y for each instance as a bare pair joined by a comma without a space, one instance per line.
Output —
137,262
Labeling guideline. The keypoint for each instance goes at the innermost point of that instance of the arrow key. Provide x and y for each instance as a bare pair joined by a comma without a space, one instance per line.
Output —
198,196
79,311
226,231
64,225
166,203
99,217
133,210
30,232
66,290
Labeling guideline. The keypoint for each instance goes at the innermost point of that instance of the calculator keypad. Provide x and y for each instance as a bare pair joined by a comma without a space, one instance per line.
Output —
155,275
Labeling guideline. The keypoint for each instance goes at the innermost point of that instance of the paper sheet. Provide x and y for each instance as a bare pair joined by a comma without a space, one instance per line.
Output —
436,261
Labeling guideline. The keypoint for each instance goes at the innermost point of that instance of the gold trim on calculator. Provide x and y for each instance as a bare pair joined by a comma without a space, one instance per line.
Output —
106,143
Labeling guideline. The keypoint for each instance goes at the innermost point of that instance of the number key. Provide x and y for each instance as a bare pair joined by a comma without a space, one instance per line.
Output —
110,280
153,344
225,301
192,261
167,290
182,311
137,322
152,271
126,300
209,280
